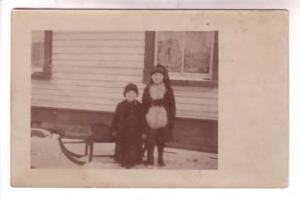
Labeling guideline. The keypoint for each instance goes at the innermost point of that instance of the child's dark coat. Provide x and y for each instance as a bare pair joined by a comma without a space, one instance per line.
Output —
160,111
168,102
128,122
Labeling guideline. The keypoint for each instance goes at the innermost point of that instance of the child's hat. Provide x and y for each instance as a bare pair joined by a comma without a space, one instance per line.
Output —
131,87
159,69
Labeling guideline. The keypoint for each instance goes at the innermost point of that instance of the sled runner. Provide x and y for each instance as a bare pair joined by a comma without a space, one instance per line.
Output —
88,135
99,133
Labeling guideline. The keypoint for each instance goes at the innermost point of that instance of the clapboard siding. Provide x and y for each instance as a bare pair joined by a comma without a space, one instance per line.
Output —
102,92
97,63
90,70
96,107
109,98
97,43
97,70
107,35
110,104
100,86
100,50
82,76
105,92
98,56
112,100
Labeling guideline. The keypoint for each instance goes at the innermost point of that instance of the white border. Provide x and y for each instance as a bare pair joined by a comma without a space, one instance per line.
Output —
292,192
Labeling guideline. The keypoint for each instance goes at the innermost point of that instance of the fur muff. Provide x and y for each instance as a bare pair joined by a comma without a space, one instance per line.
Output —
157,115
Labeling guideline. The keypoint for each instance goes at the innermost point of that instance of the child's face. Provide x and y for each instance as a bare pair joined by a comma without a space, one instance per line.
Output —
157,78
130,95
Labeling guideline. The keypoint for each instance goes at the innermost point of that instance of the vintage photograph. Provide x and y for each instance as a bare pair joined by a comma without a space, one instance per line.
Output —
149,98
124,100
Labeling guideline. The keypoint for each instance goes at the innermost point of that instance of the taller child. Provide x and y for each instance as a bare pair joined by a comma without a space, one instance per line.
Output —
159,104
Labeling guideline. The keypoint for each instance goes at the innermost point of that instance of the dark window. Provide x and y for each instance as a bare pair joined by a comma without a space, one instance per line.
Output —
41,53
191,57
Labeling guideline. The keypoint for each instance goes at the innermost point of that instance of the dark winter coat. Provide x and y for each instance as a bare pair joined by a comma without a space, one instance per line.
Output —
168,102
128,123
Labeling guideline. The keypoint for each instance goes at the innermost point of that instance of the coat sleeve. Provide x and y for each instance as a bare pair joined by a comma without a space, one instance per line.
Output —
146,99
115,120
143,121
146,102
172,106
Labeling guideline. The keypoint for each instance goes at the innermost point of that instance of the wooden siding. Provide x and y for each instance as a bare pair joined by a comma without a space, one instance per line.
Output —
90,70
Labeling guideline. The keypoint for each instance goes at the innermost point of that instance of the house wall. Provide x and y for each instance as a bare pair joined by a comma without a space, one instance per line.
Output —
90,70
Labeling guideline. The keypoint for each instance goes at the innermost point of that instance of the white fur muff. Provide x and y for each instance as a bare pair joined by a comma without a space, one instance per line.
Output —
157,115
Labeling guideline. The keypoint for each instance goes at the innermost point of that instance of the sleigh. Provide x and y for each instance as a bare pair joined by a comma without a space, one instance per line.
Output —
88,135
96,133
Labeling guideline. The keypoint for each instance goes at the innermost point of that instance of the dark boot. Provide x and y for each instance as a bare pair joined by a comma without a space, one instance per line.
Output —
118,152
150,156
142,149
160,156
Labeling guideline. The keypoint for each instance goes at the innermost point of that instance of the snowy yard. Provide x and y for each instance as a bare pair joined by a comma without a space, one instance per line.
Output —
46,153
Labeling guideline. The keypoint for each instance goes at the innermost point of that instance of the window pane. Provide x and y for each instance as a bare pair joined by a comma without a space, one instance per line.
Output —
170,50
197,52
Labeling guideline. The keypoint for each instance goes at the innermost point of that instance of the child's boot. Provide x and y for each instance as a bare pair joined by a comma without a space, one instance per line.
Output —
150,157
160,156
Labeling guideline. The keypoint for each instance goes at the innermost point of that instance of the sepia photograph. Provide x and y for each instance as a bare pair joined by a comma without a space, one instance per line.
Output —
149,98
124,99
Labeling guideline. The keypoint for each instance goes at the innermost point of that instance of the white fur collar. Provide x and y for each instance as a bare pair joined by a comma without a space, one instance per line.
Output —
157,91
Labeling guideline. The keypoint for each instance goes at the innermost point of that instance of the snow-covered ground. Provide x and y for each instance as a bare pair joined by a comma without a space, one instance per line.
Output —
46,153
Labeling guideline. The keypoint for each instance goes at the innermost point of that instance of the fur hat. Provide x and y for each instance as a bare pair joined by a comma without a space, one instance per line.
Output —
159,69
131,87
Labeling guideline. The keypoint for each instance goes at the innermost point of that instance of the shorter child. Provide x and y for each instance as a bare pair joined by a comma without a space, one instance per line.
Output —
127,126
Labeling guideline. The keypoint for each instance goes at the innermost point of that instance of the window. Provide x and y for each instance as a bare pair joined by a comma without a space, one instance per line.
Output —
41,43
191,57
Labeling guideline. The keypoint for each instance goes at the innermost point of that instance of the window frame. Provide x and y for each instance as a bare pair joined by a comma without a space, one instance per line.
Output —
150,61
187,75
45,74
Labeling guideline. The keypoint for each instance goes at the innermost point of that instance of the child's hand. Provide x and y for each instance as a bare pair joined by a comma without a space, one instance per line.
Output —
144,136
114,133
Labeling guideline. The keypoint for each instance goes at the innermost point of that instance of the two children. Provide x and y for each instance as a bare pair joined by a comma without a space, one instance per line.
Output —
152,120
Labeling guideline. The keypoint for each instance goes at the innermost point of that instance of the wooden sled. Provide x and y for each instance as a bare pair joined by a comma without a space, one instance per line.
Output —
99,133
81,134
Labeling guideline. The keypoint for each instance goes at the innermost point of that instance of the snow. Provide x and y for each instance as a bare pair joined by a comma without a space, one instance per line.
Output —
46,153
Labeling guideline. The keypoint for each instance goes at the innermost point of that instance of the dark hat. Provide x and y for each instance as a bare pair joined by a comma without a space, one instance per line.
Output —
131,87
159,69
